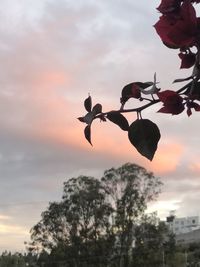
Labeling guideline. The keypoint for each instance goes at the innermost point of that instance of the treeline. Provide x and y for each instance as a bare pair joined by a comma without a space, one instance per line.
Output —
181,256
98,222
8,259
102,223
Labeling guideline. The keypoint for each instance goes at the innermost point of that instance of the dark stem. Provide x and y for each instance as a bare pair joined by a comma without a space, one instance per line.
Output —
139,109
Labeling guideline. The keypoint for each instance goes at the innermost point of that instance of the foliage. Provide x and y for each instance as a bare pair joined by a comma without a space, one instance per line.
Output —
103,223
150,235
95,223
11,260
130,188
178,28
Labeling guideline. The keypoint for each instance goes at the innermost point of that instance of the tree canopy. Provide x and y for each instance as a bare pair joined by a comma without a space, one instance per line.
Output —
96,220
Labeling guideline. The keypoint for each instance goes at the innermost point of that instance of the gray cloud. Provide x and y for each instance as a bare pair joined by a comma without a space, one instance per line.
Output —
52,54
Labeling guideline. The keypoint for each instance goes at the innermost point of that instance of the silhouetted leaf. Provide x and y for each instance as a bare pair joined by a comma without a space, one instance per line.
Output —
193,91
97,109
196,106
88,103
118,119
82,119
144,136
182,80
87,132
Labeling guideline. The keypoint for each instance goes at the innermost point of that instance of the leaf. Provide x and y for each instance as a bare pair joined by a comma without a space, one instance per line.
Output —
82,119
193,91
87,132
88,104
118,119
196,106
144,135
97,109
182,80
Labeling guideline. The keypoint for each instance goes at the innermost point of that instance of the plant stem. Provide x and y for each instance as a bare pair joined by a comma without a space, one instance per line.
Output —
139,109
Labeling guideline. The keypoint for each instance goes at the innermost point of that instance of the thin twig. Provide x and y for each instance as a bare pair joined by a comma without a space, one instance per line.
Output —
139,109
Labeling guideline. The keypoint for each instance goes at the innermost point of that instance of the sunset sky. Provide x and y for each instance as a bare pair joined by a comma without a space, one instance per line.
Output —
52,54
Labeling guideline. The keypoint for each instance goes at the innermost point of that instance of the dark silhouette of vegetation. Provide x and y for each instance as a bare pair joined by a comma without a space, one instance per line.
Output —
178,28
97,222
102,223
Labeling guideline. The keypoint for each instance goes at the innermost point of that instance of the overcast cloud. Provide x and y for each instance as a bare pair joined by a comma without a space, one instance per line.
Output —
52,54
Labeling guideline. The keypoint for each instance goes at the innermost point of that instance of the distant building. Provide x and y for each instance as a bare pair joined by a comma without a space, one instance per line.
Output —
186,229
182,225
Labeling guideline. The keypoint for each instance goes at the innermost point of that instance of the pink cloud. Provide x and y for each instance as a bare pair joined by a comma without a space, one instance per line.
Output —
195,167
167,157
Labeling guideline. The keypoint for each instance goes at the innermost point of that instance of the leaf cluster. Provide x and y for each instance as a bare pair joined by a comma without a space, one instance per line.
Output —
178,28
96,217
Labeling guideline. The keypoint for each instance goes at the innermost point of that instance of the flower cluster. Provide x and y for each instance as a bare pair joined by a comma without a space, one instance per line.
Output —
179,28
175,104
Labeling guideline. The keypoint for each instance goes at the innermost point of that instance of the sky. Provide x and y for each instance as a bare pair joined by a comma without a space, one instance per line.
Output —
53,53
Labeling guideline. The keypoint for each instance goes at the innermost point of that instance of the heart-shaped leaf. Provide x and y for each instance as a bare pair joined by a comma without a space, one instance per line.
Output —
118,119
87,132
144,135
88,104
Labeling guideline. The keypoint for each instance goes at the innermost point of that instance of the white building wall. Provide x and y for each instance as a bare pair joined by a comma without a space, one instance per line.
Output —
184,225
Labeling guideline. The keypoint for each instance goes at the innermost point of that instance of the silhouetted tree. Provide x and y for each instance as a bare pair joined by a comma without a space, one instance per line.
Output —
94,223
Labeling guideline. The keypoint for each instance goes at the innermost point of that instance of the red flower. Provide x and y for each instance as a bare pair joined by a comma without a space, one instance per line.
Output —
131,90
171,6
172,101
178,30
135,91
188,60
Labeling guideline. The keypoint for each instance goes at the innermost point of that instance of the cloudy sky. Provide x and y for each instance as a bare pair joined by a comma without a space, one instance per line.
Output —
52,54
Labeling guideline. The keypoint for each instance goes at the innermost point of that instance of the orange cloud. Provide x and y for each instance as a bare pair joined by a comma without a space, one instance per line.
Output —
12,229
53,78
109,140
114,142
167,157
55,119
195,167
4,217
